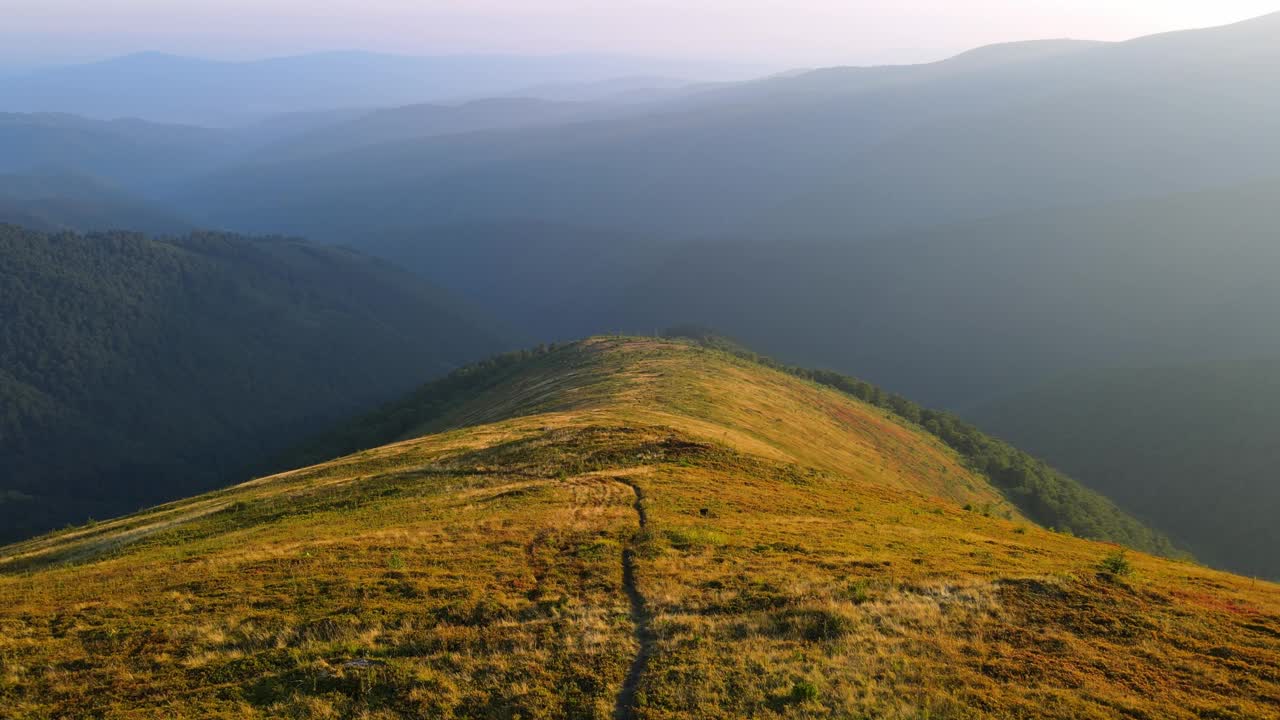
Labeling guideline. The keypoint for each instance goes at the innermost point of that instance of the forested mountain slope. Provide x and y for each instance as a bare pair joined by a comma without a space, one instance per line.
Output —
55,202
1192,448
134,154
624,528
134,371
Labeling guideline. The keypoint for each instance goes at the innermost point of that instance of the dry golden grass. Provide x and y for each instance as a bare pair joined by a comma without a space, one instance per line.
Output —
804,556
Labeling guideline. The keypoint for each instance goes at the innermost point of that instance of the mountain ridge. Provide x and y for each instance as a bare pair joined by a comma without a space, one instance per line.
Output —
639,528
1028,486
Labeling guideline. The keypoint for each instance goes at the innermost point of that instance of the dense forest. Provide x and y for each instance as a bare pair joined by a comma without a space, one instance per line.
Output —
136,370
1192,448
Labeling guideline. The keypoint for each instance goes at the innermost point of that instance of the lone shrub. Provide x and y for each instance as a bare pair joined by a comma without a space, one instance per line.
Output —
1116,564
804,691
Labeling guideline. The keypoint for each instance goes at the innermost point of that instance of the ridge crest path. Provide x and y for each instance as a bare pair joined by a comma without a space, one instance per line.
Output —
625,706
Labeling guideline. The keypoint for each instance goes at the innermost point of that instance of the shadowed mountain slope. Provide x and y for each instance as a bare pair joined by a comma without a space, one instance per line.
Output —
1191,447
423,121
962,313
56,202
623,528
134,370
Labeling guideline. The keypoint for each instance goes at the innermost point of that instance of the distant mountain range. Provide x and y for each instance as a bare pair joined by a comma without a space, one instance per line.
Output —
908,211
412,122
176,89
1068,143
836,154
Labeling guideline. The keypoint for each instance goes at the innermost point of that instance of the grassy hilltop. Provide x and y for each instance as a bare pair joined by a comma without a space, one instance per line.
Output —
623,528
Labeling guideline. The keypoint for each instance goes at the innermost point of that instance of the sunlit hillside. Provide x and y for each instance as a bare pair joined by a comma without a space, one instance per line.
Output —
625,528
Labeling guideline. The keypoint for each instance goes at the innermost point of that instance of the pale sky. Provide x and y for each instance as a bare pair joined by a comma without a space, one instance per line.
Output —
786,32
